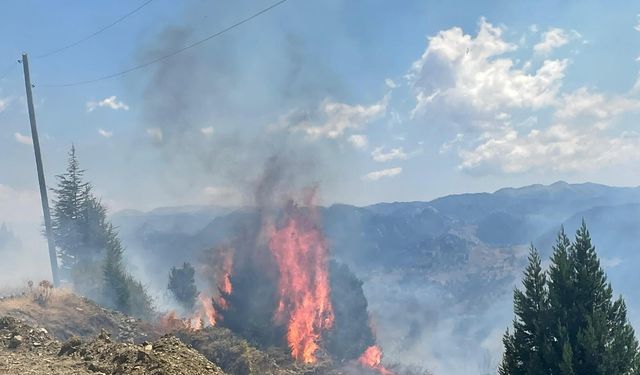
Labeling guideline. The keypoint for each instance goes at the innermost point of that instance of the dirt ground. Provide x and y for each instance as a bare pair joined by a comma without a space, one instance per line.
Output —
31,350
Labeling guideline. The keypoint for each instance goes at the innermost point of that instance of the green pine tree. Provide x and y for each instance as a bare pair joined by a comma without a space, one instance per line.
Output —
66,215
182,285
579,329
529,343
88,245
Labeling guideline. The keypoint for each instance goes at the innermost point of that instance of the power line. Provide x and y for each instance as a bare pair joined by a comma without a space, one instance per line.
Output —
60,49
144,65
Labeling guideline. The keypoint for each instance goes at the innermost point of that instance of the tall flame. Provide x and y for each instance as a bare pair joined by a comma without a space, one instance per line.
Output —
300,251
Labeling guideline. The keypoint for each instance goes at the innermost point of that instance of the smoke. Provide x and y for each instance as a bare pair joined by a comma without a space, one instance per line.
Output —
23,250
208,111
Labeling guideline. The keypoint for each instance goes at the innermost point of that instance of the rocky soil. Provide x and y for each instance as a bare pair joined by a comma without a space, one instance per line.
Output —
31,350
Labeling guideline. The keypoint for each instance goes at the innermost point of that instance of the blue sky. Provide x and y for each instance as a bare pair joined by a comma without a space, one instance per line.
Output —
388,100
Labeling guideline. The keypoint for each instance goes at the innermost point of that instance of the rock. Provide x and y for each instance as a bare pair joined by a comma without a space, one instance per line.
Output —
70,346
15,342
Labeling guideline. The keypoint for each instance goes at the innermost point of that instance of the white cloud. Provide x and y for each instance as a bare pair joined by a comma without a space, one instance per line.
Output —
595,106
21,138
155,134
110,102
449,144
637,26
105,133
359,141
610,262
422,101
390,83
550,40
376,175
458,69
394,154
583,134
208,131
557,148
332,119
4,103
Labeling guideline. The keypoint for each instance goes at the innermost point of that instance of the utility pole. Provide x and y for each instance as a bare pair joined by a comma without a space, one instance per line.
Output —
53,257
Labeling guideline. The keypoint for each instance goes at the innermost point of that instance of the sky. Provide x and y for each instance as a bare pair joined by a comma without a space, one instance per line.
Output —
370,100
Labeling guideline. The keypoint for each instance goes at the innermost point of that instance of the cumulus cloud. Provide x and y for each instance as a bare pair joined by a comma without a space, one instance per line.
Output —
358,141
333,119
376,175
552,39
557,148
21,138
208,131
156,134
460,69
597,106
105,133
380,155
111,102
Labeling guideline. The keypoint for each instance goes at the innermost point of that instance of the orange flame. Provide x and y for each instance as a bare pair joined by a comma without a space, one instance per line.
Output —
372,358
227,267
301,252
207,309
170,322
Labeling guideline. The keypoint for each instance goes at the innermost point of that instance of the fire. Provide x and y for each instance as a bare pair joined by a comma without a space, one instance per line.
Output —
170,322
300,251
204,314
207,309
372,358
227,266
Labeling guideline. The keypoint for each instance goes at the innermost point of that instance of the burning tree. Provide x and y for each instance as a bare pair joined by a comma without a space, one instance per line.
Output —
285,291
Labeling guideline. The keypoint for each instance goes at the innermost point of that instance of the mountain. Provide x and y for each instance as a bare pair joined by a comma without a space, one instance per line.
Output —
438,275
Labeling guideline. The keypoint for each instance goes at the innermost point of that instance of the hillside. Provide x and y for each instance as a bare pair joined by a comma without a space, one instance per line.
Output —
431,270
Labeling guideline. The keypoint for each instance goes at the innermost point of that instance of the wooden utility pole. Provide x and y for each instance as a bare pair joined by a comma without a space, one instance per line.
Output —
53,257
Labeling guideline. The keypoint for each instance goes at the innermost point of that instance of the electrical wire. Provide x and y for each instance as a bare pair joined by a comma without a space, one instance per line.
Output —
164,57
65,47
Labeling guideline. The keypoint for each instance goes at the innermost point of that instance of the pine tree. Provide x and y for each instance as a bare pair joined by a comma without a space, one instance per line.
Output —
583,330
88,245
529,343
67,213
116,291
182,285
351,333
561,309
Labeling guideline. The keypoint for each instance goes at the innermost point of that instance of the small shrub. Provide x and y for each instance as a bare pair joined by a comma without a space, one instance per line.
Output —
42,295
